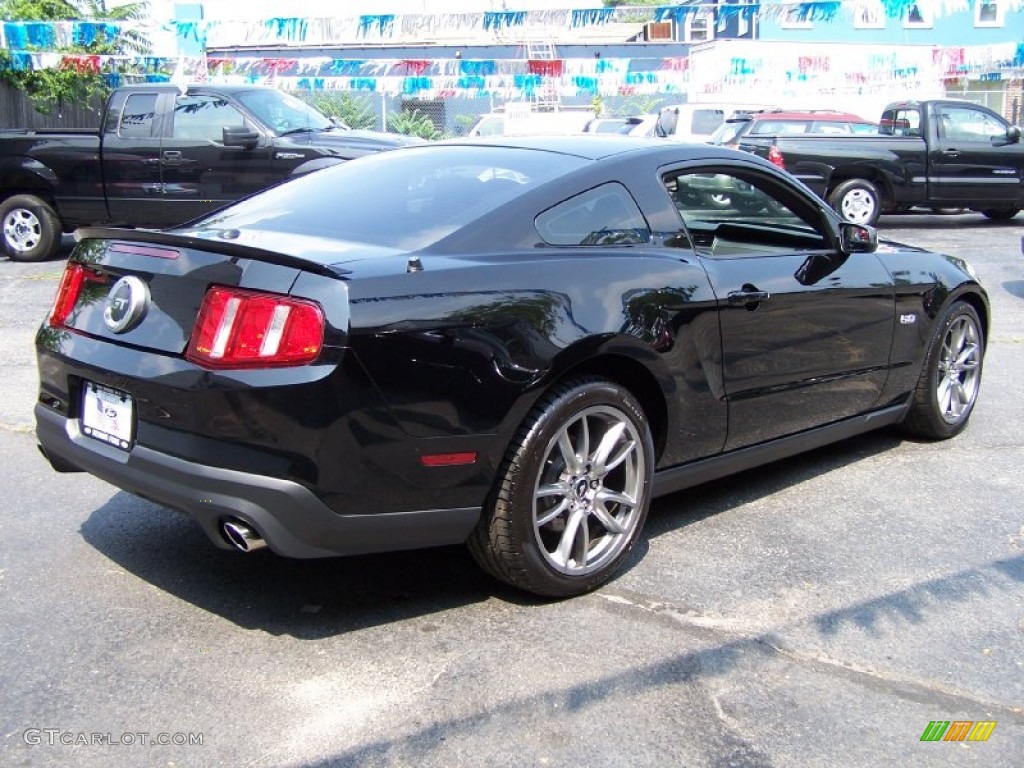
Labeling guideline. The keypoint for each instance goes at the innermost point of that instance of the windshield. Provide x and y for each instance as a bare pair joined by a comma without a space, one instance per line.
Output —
727,133
406,198
282,111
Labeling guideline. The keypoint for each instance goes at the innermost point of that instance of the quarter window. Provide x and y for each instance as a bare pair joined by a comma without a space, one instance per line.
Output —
605,215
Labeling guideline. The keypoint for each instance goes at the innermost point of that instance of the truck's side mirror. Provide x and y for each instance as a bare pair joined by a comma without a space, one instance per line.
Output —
668,118
240,136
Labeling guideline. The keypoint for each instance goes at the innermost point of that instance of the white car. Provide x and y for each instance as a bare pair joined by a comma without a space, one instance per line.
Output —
696,122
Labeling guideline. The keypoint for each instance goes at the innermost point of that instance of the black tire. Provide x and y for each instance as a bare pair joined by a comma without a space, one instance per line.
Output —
558,526
950,379
1001,214
29,229
857,200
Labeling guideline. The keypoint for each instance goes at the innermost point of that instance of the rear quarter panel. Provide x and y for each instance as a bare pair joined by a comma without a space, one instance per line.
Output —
469,345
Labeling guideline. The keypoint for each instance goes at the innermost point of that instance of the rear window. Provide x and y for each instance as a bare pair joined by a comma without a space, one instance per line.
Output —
405,198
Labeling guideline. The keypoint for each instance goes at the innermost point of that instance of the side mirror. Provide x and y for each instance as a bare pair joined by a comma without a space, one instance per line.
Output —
668,118
240,136
1013,134
857,238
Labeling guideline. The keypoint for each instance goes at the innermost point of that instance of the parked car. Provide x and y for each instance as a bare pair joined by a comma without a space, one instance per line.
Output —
778,123
640,125
696,121
942,154
605,125
513,343
163,157
528,122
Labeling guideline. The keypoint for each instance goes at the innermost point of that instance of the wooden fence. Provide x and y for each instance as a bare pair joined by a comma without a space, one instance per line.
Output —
17,111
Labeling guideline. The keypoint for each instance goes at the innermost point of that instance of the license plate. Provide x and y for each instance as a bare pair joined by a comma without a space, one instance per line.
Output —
107,415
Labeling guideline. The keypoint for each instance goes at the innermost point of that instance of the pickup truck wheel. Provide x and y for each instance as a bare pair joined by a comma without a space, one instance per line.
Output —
857,201
29,228
948,385
1001,214
572,493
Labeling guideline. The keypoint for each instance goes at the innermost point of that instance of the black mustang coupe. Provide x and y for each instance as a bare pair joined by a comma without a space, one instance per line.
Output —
513,343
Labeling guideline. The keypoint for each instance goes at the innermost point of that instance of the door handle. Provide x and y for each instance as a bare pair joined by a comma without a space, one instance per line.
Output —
748,297
951,152
172,157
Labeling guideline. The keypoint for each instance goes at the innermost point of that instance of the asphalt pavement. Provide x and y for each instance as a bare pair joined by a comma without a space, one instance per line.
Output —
820,611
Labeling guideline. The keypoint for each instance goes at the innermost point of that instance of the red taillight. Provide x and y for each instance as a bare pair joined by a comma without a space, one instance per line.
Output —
775,157
244,329
71,282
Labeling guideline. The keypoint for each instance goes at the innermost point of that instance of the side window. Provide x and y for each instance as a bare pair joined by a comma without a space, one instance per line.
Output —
204,117
731,214
605,215
138,119
966,124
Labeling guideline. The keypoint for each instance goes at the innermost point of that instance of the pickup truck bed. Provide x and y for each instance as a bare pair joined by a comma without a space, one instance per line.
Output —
937,154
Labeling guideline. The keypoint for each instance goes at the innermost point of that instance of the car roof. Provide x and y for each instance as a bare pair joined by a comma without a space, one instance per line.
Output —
196,87
599,146
821,115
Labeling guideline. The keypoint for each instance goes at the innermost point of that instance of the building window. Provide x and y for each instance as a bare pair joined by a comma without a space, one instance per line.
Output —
918,16
988,13
869,15
699,28
796,18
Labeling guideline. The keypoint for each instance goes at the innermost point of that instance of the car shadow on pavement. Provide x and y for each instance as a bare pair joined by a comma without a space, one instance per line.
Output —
717,496
1014,288
305,599
312,599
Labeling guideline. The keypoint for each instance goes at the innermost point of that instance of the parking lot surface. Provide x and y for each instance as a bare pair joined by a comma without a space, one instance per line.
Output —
822,610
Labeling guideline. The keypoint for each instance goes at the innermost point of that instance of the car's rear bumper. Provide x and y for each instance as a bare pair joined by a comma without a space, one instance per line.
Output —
292,520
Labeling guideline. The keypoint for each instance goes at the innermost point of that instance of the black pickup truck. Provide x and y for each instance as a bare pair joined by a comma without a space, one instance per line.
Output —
933,154
163,156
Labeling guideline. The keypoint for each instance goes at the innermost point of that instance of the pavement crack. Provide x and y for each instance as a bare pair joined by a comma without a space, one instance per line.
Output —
733,635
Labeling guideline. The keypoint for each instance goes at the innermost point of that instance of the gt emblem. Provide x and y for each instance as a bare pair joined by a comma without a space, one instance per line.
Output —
127,303
908,319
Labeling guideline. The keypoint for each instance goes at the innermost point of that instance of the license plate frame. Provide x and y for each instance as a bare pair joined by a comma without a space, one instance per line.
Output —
107,415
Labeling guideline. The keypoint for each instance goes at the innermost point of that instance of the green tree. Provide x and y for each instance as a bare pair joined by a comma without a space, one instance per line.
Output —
413,123
51,88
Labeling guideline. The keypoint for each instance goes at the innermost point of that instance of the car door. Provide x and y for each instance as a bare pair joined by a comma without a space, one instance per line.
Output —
971,158
806,329
200,173
132,173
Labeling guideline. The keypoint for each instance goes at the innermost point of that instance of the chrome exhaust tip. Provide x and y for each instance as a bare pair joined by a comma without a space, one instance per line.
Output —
241,536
